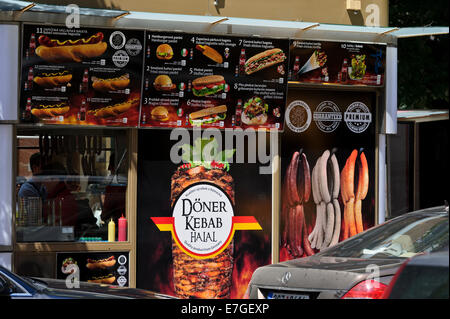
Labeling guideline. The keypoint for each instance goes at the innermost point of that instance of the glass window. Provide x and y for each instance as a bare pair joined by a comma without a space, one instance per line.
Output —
70,183
403,237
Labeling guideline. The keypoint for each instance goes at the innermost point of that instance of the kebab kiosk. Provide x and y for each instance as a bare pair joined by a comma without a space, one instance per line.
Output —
138,182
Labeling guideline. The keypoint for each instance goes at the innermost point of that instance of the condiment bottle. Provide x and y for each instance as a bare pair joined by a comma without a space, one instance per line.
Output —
111,231
122,229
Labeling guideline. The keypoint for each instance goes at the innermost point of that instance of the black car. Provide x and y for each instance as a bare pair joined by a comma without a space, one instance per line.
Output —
17,287
421,277
359,267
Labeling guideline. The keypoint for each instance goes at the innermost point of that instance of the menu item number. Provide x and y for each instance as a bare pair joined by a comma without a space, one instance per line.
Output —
56,51
264,60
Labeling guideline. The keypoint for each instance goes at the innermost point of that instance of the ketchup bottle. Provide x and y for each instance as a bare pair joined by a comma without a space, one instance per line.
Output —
122,229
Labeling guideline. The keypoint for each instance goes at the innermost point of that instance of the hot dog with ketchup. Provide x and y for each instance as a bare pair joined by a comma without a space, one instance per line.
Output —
56,51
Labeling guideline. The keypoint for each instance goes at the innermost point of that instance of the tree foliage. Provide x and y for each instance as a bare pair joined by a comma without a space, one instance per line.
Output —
423,61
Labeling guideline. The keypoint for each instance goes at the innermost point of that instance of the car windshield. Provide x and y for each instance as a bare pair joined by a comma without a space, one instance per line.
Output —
402,237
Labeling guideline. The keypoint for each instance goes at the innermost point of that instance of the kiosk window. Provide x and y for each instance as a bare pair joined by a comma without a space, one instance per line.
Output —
70,183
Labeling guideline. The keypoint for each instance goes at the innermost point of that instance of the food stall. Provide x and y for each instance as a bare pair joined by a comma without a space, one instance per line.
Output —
191,149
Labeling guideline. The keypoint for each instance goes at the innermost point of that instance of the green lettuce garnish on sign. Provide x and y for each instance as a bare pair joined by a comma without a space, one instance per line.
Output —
206,153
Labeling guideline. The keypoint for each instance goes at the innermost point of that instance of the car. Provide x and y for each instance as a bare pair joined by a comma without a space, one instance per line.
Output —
421,277
359,267
19,287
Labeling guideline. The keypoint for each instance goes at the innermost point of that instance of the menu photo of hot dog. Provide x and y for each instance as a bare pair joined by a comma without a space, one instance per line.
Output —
94,267
70,50
94,73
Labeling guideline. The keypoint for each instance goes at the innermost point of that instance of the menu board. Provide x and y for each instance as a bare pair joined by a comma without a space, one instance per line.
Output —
214,81
84,76
347,63
97,267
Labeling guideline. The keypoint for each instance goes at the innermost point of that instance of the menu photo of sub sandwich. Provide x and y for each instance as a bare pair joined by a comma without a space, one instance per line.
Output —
208,115
208,85
264,60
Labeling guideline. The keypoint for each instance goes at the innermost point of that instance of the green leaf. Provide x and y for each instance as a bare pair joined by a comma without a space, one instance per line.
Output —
187,153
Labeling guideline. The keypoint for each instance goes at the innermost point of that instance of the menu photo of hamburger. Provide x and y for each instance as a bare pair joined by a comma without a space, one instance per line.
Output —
164,52
255,111
164,83
264,60
160,113
208,85
208,115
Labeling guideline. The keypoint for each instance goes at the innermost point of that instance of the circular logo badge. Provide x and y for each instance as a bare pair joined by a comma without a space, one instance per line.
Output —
357,117
122,260
120,58
117,40
327,116
298,116
122,281
133,47
203,219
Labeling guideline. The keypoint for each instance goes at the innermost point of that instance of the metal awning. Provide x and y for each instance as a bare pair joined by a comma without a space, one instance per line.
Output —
32,12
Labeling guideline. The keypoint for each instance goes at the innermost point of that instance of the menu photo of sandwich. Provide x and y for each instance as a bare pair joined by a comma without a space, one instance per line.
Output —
208,115
208,85
264,60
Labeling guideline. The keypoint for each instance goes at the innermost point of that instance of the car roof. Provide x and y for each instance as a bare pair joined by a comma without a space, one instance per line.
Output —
436,259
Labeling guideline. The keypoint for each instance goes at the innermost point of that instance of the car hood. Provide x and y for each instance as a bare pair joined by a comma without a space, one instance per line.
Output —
56,288
324,273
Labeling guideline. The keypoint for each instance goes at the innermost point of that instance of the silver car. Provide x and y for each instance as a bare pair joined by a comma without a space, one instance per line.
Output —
359,267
